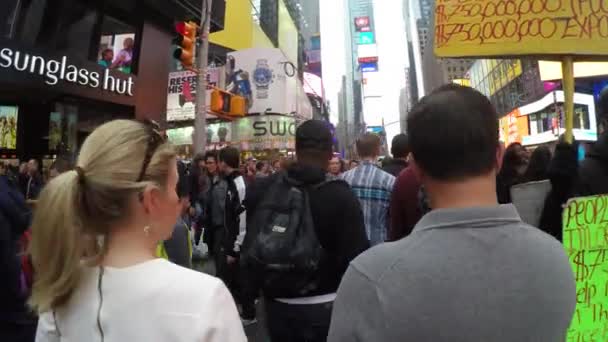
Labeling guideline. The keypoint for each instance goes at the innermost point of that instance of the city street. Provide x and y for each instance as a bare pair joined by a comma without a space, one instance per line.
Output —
382,170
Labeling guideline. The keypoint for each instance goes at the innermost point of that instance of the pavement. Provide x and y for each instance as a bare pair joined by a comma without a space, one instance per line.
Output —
255,332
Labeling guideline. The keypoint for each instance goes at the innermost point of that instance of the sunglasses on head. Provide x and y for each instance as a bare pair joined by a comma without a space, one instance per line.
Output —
155,139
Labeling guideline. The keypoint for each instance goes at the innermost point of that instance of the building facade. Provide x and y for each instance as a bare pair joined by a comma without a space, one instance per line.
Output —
67,66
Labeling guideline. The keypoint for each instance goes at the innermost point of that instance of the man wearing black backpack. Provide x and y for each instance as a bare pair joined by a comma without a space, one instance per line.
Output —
302,233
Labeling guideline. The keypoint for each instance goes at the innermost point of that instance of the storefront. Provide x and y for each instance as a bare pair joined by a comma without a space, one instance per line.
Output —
67,66
546,119
263,136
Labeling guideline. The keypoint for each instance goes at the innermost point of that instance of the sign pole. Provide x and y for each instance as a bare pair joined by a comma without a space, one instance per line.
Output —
568,86
200,117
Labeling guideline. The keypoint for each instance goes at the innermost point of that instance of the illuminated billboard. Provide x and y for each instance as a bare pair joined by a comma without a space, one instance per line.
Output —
362,24
366,38
553,70
367,53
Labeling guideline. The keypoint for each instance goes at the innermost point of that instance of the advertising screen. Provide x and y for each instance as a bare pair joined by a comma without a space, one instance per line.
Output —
362,24
8,127
550,71
55,130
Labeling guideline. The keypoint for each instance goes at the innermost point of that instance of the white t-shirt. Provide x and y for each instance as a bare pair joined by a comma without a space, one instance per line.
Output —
155,301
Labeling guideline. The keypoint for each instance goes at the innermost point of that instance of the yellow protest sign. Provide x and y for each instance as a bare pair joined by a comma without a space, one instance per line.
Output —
585,235
475,28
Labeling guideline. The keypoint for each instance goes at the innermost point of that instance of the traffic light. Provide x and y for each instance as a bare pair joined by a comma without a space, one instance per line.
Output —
186,40
226,103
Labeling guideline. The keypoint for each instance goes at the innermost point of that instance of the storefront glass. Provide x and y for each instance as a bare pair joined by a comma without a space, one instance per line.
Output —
7,18
76,28
116,45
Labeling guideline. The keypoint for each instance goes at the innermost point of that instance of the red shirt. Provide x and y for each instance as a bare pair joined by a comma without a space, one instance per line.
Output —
405,209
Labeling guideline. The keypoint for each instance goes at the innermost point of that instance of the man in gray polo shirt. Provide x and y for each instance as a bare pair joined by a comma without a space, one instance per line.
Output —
471,270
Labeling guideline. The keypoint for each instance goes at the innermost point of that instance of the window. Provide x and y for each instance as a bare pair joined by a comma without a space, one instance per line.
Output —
269,19
116,45
581,117
76,26
7,18
255,11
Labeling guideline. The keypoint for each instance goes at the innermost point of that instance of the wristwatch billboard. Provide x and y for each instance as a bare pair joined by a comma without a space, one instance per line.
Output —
262,77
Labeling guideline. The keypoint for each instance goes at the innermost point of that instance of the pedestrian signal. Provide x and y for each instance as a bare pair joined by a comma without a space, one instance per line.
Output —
226,103
186,40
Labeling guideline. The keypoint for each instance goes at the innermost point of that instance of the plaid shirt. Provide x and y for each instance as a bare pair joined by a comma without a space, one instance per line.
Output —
373,187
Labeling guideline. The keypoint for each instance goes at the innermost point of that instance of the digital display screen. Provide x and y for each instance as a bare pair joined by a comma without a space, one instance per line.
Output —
8,127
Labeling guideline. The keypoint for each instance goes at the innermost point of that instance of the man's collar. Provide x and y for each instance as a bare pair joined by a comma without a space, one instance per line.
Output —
475,217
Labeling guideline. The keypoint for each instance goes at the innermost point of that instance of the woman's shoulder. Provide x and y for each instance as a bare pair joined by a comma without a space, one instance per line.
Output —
185,277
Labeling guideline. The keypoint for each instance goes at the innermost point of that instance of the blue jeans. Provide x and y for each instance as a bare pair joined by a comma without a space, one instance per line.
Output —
298,323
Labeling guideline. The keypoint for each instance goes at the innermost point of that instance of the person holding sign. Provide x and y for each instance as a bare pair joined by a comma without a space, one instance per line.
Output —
471,270
593,173
569,180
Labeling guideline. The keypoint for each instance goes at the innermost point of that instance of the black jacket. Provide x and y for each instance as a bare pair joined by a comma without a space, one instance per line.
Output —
14,221
395,166
562,174
233,209
337,217
593,172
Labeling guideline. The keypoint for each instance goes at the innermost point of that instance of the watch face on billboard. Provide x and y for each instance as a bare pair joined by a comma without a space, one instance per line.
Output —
362,24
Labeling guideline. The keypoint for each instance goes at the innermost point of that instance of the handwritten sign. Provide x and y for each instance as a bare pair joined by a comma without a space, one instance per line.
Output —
585,235
521,27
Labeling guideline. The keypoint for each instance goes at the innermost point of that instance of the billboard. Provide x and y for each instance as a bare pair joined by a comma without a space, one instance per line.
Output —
369,50
369,67
272,80
520,27
254,133
313,84
366,38
362,24
180,136
490,75
8,127
181,92
546,124
550,70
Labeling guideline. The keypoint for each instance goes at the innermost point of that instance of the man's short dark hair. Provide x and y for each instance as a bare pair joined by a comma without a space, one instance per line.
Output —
400,146
210,154
368,145
453,133
230,156
183,184
313,136
260,165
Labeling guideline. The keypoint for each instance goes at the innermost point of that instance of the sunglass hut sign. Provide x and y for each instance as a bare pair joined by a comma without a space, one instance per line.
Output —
54,71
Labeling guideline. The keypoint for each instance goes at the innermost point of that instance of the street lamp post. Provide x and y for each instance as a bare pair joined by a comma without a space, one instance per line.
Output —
200,118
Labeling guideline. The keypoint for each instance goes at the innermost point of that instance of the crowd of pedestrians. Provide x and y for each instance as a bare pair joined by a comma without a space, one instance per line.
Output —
424,246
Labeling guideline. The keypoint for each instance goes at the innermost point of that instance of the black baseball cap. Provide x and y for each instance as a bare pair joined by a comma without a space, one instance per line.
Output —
314,135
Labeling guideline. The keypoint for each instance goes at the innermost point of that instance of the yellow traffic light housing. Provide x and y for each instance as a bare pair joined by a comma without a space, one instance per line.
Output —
226,103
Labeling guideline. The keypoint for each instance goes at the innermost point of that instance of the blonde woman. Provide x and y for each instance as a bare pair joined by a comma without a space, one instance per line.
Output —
95,234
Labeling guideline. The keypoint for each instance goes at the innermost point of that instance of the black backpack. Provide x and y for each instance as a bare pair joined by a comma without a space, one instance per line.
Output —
281,244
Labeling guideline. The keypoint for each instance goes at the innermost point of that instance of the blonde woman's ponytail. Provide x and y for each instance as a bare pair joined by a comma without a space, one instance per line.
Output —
56,247
80,206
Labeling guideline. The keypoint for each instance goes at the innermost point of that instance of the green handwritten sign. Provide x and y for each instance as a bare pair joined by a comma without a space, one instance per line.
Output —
585,235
